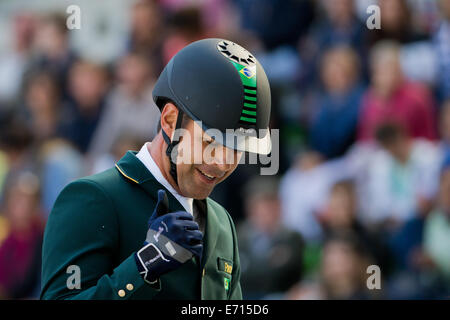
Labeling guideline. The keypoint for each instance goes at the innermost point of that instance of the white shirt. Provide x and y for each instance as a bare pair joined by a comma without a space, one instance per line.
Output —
393,188
150,164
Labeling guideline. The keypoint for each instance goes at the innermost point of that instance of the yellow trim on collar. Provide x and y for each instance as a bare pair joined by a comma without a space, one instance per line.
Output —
120,170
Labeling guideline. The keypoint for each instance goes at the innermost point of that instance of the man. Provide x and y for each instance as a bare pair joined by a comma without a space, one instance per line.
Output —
146,229
437,226
402,177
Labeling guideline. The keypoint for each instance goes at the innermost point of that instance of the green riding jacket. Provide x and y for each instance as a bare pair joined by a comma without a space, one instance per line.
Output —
99,222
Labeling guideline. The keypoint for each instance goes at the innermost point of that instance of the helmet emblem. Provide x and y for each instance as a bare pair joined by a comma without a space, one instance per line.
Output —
246,71
245,64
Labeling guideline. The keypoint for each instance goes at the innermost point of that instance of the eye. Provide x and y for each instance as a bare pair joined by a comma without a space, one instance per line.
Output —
208,140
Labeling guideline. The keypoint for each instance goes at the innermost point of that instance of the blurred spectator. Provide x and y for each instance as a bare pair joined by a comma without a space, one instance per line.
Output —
59,163
344,265
442,43
53,51
396,23
424,14
14,62
186,26
424,273
43,105
55,160
129,108
121,145
419,63
391,97
314,178
15,143
218,16
271,254
340,215
402,177
333,129
337,26
88,84
342,273
276,23
147,31
20,251
437,228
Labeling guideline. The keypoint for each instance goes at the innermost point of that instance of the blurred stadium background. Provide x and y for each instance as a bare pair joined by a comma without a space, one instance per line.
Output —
364,119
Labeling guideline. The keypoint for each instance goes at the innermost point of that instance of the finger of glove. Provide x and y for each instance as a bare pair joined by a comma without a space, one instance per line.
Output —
162,205
172,218
195,235
187,238
183,215
188,224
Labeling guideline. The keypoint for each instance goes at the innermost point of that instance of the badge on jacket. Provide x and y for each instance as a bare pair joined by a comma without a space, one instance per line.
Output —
226,283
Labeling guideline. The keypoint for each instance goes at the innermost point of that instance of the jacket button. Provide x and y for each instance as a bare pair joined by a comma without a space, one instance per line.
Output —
121,293
130,287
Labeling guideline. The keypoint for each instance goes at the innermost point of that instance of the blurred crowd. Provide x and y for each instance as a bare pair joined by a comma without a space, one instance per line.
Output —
364,119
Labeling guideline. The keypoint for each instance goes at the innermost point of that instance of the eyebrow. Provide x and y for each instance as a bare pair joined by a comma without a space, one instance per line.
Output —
208,138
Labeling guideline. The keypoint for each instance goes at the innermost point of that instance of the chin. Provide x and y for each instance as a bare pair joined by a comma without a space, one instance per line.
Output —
197,194
201,195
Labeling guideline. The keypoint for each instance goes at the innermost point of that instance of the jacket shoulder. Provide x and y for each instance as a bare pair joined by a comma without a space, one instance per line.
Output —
108,181
104,179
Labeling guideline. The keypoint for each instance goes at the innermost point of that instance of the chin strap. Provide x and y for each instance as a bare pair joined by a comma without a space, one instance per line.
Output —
171,145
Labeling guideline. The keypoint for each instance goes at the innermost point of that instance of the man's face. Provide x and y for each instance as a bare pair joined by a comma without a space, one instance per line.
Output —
399,148
197,179
386,75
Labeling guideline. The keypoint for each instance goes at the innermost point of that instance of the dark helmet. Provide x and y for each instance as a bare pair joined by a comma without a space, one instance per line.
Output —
221,84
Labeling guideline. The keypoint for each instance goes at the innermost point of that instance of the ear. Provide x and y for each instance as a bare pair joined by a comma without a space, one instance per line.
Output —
168,120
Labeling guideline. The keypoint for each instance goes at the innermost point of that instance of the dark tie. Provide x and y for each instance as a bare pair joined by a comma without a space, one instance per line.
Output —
199,212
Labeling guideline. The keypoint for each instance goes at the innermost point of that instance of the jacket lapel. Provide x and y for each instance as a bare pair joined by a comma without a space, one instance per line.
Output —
211,233
136,172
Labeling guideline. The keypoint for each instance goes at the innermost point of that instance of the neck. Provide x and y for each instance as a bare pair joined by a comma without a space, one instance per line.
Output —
157,150
405,155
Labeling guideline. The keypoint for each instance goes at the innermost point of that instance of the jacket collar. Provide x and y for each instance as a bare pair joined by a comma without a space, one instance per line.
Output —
135,172
130,167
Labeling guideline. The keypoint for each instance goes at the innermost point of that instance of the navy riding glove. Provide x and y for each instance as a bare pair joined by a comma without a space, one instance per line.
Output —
172,239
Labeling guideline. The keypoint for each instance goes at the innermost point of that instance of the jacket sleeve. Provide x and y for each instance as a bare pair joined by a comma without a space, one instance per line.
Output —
82,231
236,292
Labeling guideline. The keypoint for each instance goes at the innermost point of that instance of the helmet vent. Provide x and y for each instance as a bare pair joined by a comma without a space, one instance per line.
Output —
236,53
235,58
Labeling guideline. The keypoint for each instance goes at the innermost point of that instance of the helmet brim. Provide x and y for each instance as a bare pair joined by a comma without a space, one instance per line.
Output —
243,141
253,144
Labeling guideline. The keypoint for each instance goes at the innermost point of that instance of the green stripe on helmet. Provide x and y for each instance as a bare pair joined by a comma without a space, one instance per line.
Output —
250,98
248,105
248,78
248,119
252,113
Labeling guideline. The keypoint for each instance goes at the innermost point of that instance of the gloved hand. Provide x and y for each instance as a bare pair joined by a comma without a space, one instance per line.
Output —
172,239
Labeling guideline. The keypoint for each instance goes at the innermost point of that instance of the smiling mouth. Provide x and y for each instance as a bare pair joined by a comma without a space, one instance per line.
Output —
208,177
